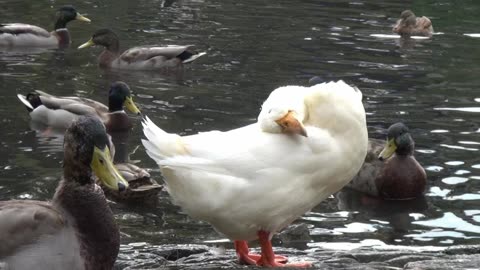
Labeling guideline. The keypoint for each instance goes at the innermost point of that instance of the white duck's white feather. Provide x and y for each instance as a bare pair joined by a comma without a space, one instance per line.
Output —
245,180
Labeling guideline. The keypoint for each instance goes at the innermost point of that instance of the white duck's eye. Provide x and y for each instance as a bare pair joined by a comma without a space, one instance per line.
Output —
270,111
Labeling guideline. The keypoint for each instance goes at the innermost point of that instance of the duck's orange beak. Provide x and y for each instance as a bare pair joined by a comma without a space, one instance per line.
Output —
291,125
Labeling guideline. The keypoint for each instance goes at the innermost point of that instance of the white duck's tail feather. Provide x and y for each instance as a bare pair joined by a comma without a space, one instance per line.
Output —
160,144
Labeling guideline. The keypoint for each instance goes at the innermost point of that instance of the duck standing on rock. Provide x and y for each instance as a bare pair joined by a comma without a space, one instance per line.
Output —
139,58
76,230
25,35
392,173
251,182
410,25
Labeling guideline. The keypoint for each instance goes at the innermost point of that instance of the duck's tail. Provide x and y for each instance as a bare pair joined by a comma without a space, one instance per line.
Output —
160,144
31,101
190,57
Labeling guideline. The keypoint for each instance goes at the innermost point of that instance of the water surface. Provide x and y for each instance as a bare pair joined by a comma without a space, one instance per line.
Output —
252,48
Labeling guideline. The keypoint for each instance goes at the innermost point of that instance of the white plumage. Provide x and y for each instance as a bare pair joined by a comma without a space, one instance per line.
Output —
256,178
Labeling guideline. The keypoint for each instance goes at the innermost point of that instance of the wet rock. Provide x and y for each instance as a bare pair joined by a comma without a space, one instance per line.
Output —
295,233
463,249
193,257
176,252
454,262
402,260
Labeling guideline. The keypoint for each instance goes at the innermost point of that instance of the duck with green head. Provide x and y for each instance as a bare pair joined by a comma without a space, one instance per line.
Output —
410,25
59,111
25,35
390,170
139,58
76,230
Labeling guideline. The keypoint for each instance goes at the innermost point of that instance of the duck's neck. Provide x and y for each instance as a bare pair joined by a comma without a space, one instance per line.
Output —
107,57
94,222
63,36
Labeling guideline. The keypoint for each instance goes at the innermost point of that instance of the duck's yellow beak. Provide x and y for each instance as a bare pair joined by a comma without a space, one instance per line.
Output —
291,125
103,167
130,105
82,18
87,44
388,150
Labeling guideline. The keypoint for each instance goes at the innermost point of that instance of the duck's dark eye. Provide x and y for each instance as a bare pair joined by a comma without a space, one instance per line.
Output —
269,111
101,161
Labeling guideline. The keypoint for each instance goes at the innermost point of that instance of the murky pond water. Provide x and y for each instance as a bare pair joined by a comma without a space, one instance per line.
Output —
253,47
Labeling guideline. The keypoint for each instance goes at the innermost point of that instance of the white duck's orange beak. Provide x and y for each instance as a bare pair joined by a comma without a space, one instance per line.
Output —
291,125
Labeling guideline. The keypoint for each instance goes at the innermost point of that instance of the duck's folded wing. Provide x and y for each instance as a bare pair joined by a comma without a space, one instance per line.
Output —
137,54
24,222
21,28
424,22
53,101
68,104
243,152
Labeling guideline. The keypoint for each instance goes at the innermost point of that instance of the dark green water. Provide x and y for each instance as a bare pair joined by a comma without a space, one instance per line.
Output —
252,48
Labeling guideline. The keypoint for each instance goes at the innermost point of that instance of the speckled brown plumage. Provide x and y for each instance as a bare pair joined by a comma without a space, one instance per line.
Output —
410,25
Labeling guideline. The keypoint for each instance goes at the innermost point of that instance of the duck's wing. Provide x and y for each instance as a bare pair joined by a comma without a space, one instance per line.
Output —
365,180
424,23
131,172
21,28
241,152
146,52
75,105
24,222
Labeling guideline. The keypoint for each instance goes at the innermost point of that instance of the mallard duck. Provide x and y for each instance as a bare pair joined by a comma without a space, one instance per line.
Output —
392,173
251,182
139,58
76,230
26,35
410,25
59,112
142,187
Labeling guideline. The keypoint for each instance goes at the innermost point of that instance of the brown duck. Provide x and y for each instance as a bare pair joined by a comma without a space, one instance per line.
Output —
392,173
410,25
76,230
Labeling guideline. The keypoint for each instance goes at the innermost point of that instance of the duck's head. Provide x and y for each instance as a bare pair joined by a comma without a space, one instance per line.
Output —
86,150
407,20
67,14
399,141
120,96
283,112
103,37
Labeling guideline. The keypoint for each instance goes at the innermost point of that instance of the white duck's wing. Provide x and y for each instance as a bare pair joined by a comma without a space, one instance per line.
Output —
241,152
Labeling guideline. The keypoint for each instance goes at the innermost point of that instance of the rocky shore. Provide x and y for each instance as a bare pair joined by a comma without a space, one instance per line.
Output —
207,257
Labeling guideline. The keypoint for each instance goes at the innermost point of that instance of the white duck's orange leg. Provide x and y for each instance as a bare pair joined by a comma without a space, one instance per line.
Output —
268,258
245,257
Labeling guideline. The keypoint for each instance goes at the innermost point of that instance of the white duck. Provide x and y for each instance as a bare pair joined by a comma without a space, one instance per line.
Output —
252,181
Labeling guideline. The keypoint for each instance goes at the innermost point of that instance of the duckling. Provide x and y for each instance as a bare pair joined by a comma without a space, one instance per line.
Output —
139,58
410,25
392,173
76,230
59,112
26,35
